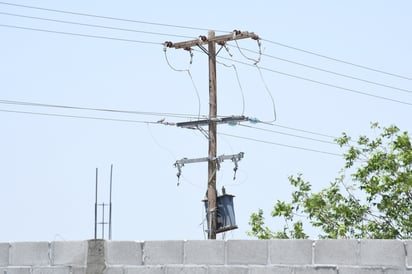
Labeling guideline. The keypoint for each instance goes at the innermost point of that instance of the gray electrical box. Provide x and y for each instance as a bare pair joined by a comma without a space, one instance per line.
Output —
225,213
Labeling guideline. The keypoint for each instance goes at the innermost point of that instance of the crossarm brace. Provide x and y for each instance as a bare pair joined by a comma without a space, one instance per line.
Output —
234,157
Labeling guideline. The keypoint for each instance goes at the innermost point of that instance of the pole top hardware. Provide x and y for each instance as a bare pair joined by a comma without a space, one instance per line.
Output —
204,122
236,35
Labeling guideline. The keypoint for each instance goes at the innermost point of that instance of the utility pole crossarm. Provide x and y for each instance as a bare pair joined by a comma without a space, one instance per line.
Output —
234,157
225,120
203,40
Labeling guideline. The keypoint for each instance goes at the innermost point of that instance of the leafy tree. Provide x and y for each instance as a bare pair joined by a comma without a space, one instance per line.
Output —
375,203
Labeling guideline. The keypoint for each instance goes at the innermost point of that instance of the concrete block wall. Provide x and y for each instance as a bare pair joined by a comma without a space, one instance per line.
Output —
208,257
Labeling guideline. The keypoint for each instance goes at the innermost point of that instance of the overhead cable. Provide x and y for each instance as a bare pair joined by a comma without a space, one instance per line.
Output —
161,114
279,144
94,25
325,84
107,17
339,60
82,35
331,72
288,134
79,117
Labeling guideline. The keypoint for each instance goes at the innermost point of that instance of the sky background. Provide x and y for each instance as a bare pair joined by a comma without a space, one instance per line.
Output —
48,162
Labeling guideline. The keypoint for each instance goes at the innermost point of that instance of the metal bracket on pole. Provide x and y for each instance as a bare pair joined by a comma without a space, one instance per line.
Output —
234,157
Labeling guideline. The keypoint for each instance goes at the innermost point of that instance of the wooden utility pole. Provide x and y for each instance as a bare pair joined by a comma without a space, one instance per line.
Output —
212,120
212,165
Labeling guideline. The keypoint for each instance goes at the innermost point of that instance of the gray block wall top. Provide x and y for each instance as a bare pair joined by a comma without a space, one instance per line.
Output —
73,253
4,254
208,257
163,252
290,252
337,252
124,253
29,253
382,252
247,252
204,252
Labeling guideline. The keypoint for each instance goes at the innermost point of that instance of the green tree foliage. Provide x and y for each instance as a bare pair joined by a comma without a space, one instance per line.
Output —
375,203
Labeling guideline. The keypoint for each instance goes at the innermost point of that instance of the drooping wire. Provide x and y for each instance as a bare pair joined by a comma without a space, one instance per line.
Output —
173,156
232,65
255,63
187,70
269,93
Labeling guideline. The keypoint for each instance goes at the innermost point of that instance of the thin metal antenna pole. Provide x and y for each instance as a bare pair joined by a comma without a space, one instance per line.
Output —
95,208
110,203
103,205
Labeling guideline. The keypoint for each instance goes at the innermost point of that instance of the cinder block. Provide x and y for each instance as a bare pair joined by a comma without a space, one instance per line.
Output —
247,252
4,254
162,252
15,270
145,270
361,270
114,270
69,253
338,252
408,249
270,270
29,253
394,271
382,253
204,252
78,270
229,269
315,270
123,253
51,270
290,252
186,269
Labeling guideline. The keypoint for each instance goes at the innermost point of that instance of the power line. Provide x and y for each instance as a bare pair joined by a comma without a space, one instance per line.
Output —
289,134
204,29
161,114
78,117
305,131
338,60
331,72
93,25
323,83
108,17
150,122
82,35
279,144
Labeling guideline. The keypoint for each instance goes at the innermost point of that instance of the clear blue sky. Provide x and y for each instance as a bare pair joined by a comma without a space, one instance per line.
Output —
48,162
